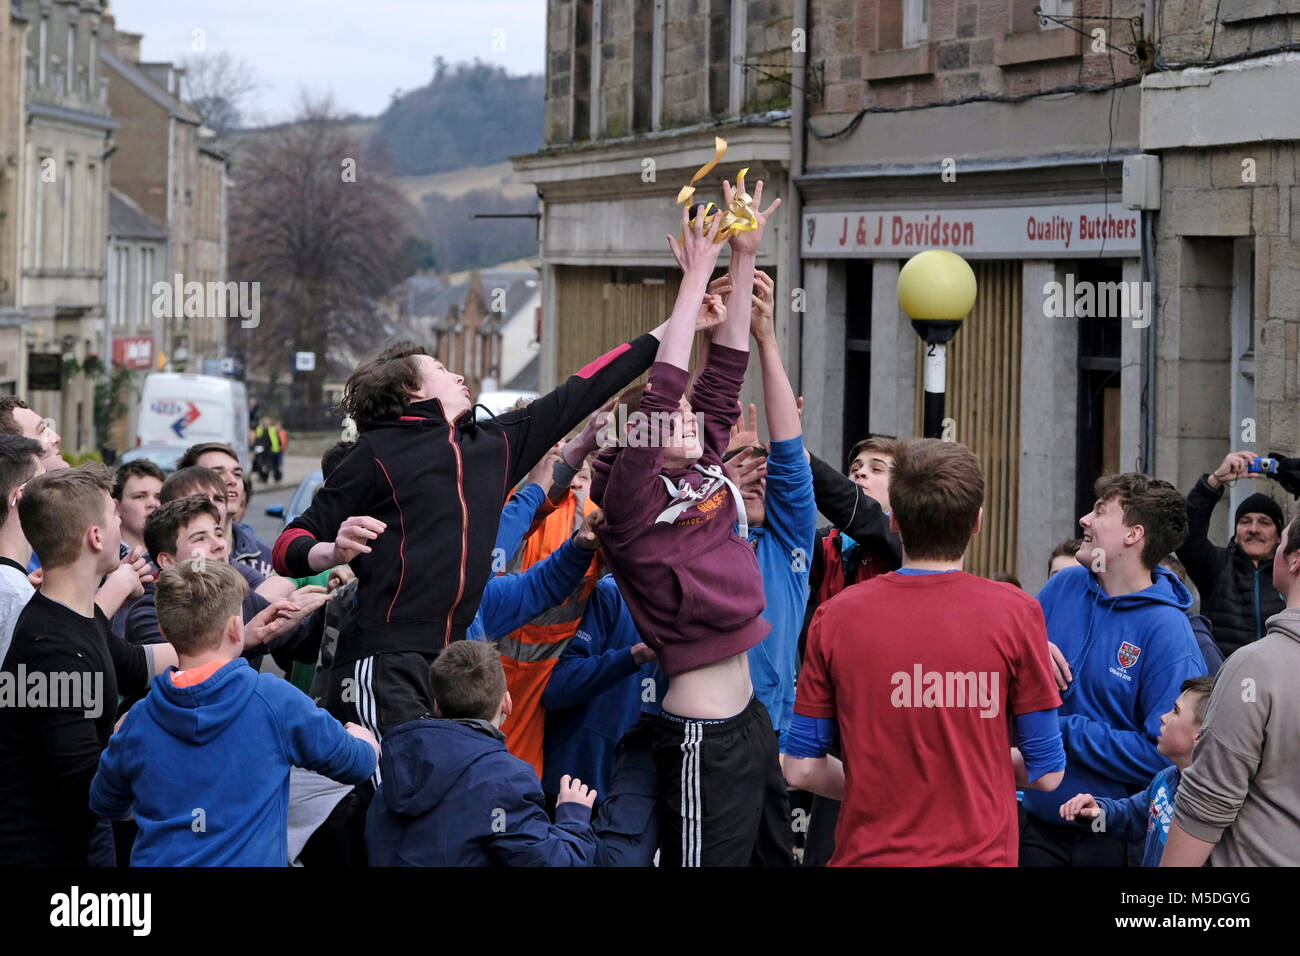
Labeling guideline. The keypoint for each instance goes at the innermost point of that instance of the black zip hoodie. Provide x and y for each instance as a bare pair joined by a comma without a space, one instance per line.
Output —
439,488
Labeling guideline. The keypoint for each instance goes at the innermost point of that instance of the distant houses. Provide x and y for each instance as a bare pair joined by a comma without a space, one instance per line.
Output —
482,324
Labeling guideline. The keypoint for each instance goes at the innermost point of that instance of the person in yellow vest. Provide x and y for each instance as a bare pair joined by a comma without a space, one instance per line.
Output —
272,440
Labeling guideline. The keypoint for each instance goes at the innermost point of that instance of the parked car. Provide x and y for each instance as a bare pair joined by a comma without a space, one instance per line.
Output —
164,456
300,500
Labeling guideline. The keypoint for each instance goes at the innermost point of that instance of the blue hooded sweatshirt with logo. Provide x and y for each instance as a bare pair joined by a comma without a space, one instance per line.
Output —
1129,655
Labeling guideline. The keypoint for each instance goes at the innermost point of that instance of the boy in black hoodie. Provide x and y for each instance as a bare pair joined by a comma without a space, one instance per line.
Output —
414,510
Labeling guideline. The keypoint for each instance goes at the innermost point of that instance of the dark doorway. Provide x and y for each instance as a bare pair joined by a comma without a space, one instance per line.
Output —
857,354
1097,441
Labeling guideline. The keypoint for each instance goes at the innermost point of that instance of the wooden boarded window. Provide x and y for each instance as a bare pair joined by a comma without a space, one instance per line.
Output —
597,313
983,401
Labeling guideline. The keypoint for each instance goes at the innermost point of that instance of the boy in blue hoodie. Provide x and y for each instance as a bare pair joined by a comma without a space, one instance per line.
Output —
452,795
605,680
777,487
1122,647
204,759
1148,813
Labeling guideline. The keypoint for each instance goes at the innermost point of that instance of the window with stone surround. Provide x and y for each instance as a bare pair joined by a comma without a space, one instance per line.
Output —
70,169
1030,41
644,38
72,58
916,22
581,75
903,47
719,52
1055,8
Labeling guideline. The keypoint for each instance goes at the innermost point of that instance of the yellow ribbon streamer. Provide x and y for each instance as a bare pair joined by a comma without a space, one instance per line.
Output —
719,150
740,216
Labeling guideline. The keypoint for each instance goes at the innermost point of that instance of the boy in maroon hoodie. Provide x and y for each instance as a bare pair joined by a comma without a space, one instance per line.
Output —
690,581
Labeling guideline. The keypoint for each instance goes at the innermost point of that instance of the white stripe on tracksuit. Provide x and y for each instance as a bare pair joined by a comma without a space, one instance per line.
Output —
692,812
363,675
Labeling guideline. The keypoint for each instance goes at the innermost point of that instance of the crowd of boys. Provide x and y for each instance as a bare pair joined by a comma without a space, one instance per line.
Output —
633,647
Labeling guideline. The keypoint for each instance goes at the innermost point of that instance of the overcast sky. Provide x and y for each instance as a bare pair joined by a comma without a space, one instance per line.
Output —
360,50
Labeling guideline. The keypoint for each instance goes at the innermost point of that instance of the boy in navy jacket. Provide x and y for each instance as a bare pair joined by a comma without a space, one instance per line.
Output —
605,680
204,760
1148,813
453,796
1122,647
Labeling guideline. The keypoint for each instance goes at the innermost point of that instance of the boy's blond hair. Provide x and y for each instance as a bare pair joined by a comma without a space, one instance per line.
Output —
195,599
59,507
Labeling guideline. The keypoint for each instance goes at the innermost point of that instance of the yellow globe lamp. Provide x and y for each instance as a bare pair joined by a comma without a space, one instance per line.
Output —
936,289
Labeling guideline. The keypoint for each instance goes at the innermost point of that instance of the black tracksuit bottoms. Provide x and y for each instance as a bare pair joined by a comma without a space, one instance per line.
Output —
725,801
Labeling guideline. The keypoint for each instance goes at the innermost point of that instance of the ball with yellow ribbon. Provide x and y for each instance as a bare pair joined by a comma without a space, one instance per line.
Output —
739,216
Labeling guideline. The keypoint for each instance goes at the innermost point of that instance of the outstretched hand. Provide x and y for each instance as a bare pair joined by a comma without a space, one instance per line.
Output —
698,252
744,434
762,325
267,623
586,535
353,537
713,312
573,790
748,242
540,473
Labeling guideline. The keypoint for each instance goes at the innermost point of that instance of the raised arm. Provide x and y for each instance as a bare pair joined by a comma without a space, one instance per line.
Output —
697,255
783,420
512,600
734,333
1204,560
854,512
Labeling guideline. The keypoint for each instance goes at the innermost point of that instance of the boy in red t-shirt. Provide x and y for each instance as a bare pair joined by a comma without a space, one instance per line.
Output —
924,669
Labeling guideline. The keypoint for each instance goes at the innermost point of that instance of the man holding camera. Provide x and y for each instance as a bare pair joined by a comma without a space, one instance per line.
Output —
1235,582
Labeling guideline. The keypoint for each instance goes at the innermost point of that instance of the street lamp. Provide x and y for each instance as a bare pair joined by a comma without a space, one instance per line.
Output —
936,289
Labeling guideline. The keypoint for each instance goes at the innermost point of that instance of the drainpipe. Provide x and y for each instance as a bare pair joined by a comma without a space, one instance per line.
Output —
1149,275
794,202
1149,347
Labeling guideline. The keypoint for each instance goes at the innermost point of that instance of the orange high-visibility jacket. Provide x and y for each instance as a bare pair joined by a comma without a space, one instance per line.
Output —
530,654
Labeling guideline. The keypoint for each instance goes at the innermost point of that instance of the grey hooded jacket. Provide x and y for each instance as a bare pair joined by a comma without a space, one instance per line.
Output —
1242,791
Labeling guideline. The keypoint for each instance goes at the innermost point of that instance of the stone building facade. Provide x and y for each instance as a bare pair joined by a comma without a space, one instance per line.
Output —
1227,247
65,171
13,128
169,165
636,92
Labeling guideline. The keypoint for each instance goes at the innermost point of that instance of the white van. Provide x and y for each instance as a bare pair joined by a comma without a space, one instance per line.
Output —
182,409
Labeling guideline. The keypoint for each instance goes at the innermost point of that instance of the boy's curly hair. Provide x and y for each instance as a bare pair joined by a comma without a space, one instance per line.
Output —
379,390
1154,504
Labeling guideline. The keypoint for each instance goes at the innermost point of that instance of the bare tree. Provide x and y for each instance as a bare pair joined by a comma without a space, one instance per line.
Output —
217,85
320,229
